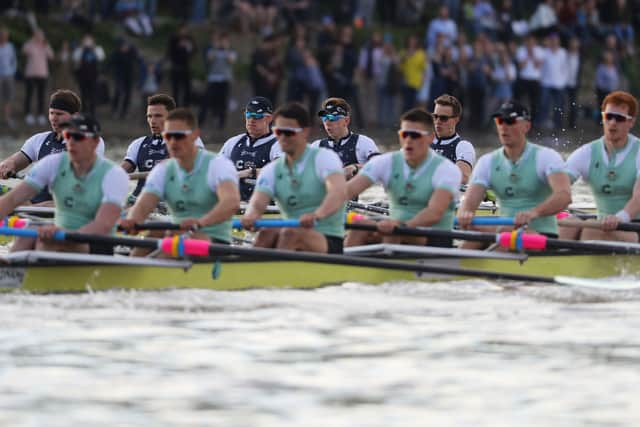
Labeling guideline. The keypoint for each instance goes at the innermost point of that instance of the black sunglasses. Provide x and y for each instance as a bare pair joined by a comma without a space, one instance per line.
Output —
177,135
618,117
507,120
443,118
281,131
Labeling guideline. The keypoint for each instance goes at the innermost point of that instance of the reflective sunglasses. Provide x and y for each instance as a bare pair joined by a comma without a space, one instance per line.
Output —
76,136
251,115
618,117
442,117
510,121
332,117
413,133
176,134
281,131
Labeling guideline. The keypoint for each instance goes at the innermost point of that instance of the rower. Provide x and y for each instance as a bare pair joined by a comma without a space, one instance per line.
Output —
62,104
610,165
446,116
199,187
251,150
307,183
145,152
88,189
422,185
530,181
354,149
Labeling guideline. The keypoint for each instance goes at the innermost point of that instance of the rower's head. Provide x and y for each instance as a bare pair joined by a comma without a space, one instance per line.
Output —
512,121
291,127
336,117
158,107
62,104
416,135
82,135
258,115
446,115
180,133
619,111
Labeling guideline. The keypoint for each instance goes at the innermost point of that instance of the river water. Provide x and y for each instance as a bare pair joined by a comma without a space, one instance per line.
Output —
471,353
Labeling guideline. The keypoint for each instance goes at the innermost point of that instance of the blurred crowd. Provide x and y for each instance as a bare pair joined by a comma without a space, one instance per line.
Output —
383,57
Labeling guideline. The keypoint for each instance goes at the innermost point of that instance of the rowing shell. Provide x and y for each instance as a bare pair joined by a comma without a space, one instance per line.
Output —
39,271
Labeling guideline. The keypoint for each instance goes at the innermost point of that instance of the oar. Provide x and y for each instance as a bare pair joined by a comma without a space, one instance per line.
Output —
261,223
591,223
138,175
489,220
505,239
367,207
177,246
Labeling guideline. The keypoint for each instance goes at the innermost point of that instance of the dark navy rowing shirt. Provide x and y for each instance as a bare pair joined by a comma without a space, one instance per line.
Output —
246,153
455,149
352,149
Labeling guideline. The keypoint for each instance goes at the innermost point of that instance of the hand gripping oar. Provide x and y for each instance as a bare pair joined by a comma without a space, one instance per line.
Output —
261,223
514,240
178,246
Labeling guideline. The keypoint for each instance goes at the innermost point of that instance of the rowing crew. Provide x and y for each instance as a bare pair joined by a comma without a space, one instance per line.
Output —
531,182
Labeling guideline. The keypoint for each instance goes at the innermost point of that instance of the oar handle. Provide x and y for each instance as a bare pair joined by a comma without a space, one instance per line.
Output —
489,220
269,223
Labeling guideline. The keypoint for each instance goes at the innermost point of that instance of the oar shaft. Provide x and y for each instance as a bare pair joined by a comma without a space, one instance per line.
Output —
489,220
138,175
592,223
430,232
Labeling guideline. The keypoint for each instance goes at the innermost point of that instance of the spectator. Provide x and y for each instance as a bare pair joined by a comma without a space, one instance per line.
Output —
389,83
219,59
529,57
442,24
8,66
607,77
484,18
124,65
87,58
150,80
478,72
296,12
413,62
544,18
63,74
295,67
181,49
266,69
369,70
36,73
316,86
553,80
574,64
134,18
503,75
504,21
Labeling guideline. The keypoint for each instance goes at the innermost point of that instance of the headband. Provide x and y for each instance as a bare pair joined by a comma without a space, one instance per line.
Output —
64,105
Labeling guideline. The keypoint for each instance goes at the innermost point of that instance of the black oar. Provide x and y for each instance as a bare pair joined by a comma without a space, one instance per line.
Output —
191,247
547,243
590,223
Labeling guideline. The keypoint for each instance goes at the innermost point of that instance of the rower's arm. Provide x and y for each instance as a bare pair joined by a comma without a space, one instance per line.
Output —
17,196
336,186
357,185
128,166
432,214
228,204
144,205
465,168
105,219
632,208
473,197
13,164
559,198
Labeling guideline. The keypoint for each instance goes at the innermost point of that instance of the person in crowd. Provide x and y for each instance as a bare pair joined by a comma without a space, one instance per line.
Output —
87,58
181,49
38,53
219,60
266,69
413,62
308,185
529,181
553,81
610,166
529,57
252,150
125,64
89,190
8,68
422,185
199,187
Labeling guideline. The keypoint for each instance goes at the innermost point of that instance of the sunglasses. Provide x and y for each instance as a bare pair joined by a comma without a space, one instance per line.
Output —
510,121
280,131
413,133
332,117
442,117
176,134
251,115
618,117
76,136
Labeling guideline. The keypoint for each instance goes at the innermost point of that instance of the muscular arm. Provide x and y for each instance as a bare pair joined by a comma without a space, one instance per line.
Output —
432,214
472,199
633,205
13,164
20,194
257,206
128,166
336,186
144,205
559,198
357,185
105,219
465,168
228,204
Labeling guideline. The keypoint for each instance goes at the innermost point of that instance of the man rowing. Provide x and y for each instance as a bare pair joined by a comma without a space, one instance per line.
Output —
422,185
308,184
199,187
354,149
251,150
145,152
530,181
62,104
610,166
446,116
88,190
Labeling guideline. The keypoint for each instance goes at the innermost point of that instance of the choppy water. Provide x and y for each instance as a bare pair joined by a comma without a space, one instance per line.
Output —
471,353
